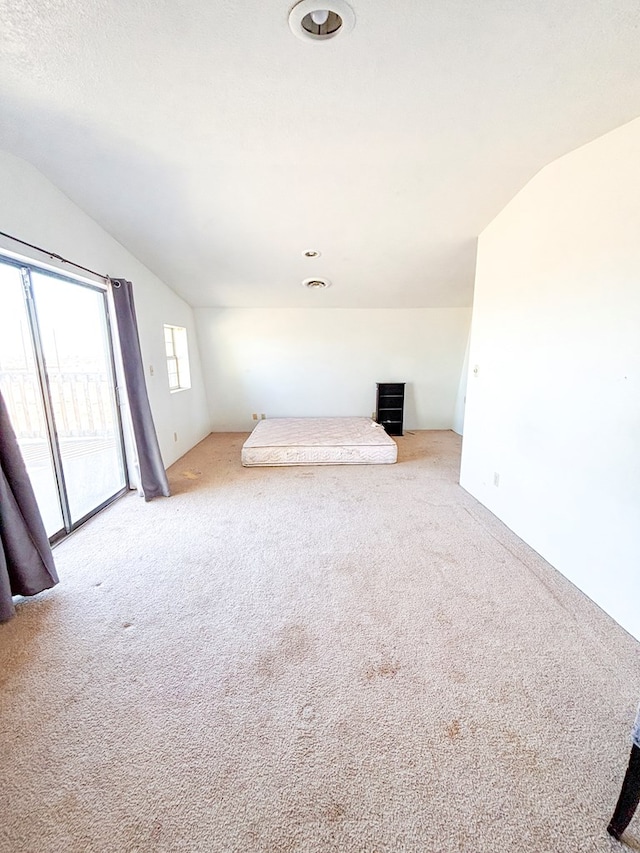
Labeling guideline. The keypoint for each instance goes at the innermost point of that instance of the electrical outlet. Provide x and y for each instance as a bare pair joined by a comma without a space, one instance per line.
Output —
496,478
175,436
254,416
262,416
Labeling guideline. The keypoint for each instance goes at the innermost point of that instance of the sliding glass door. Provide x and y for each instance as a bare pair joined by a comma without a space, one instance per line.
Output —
22,393
57,378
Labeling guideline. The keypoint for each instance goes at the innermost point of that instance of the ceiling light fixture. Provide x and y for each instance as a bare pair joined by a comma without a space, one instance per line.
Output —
320,20
311,253
316,283
320,17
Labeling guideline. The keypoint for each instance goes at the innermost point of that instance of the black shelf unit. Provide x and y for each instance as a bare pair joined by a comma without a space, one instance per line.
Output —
390,406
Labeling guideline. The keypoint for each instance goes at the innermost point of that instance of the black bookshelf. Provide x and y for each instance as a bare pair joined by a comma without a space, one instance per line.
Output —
390,406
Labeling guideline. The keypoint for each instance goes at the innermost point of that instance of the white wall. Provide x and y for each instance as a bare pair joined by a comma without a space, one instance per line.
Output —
324,362
555,406
32,209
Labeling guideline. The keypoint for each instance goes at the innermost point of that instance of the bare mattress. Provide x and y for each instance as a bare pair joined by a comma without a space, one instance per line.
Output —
318,441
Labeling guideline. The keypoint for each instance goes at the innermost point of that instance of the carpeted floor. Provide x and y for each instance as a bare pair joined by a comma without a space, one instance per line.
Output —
349,658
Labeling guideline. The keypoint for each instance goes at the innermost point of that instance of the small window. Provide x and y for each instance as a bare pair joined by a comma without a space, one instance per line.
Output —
175,344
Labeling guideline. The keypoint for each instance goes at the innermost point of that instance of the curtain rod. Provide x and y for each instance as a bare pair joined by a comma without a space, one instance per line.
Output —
105,278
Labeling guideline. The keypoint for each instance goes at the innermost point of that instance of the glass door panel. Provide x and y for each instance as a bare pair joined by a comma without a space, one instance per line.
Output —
22,394
77,356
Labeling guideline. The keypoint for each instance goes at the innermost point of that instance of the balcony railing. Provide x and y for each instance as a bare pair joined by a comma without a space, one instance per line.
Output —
82,403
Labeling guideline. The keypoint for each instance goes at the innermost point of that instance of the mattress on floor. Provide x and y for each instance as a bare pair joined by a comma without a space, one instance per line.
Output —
318,441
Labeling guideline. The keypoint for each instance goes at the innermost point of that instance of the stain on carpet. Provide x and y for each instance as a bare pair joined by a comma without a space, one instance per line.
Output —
453,730
191,474
335,812
292,646
386,669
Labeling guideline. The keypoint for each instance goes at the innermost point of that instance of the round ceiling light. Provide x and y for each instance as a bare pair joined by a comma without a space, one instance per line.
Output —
320,20
316,283
311,253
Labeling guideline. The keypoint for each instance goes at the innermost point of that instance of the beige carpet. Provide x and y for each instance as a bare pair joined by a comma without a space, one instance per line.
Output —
355,659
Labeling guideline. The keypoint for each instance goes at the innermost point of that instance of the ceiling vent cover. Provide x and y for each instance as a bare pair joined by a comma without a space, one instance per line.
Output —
316,283
320,20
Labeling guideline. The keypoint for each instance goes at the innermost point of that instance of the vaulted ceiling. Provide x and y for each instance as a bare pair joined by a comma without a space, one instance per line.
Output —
217,147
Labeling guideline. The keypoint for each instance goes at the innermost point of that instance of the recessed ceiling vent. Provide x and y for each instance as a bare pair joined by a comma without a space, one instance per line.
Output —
316,283
320,20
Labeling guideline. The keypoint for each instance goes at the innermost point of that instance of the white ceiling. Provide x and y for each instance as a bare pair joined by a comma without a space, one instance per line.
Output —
217,147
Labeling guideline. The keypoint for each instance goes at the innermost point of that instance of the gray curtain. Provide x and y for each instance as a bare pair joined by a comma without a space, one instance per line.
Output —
153,477
26,561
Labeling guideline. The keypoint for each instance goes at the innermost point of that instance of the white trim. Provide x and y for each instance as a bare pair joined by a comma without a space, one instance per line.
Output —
56,267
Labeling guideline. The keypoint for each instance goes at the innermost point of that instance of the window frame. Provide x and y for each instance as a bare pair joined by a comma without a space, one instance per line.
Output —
177,358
